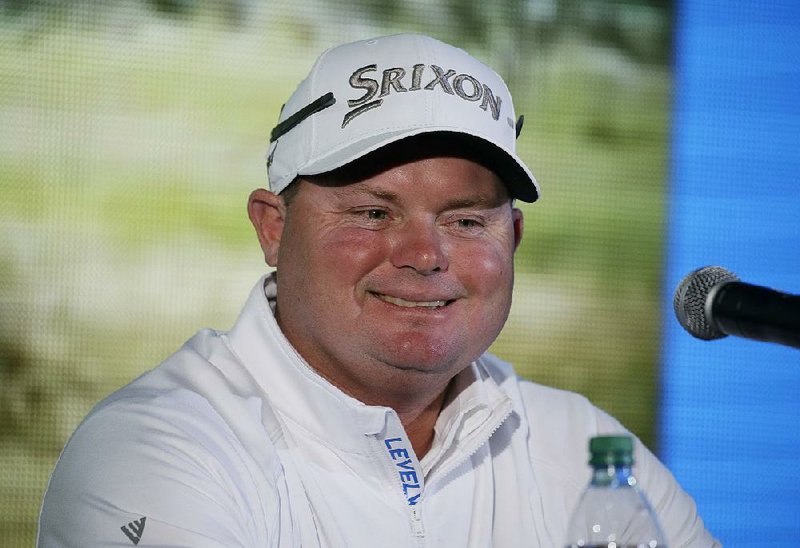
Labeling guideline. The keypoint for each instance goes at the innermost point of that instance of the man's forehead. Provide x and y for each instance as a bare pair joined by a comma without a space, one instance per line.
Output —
481,188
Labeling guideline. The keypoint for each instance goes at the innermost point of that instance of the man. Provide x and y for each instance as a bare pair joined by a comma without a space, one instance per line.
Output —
353,403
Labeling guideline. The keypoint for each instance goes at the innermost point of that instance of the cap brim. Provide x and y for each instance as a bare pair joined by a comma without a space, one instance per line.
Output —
509,167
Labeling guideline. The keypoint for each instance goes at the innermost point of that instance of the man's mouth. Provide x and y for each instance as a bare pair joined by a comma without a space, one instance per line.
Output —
411,304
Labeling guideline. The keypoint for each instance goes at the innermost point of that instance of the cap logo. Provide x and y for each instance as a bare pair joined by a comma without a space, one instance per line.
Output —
398,80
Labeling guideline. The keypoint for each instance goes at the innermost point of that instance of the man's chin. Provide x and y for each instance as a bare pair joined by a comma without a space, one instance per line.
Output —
421,364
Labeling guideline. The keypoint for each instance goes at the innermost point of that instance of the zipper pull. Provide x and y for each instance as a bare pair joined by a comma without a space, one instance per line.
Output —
416,522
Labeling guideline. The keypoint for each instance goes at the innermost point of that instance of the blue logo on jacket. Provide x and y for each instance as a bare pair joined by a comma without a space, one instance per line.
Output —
405,469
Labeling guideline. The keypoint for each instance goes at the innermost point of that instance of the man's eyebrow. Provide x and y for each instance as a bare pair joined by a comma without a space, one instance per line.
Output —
356,191
481,201
478,200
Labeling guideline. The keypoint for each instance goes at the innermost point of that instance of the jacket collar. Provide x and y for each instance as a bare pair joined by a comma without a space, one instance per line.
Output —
307,400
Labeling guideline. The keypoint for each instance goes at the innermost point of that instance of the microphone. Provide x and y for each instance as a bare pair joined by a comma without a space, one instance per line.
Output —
711,303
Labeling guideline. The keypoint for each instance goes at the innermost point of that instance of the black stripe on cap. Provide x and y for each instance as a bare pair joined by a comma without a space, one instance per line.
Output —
284,127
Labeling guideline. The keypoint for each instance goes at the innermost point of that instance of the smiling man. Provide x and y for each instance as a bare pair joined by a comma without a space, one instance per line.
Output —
353,404
395,274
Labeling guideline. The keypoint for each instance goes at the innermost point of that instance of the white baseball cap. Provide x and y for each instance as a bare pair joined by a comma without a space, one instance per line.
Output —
364,95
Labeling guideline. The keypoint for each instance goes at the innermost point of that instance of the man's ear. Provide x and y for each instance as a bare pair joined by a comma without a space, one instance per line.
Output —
519,224
267,212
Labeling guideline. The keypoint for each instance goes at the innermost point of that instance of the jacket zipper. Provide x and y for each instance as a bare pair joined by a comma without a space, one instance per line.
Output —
414,512
416,522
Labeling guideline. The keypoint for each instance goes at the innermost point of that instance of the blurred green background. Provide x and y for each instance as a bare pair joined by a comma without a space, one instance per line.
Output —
131,133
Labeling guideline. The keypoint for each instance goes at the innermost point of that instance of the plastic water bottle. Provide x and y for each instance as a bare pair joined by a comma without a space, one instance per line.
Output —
613,512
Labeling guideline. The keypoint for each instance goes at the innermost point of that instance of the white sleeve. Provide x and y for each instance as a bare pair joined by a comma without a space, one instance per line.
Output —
561,425
675,508
145,473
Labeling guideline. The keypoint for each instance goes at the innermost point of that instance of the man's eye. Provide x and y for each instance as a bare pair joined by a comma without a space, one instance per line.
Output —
376,214
468,223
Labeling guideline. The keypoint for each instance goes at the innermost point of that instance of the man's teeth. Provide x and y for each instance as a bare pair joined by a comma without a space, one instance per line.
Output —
411,304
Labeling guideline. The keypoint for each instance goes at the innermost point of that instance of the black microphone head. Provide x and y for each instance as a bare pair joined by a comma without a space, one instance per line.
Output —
690,299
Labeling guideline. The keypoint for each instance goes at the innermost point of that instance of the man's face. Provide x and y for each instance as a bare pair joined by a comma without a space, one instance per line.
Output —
400,278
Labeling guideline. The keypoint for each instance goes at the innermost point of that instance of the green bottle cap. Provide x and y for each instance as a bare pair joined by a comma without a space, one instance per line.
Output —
611,450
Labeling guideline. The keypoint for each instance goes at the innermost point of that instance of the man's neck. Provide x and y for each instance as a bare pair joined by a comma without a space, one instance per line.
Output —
419,426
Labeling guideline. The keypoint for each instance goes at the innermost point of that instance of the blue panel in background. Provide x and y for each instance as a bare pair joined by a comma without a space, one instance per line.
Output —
730,413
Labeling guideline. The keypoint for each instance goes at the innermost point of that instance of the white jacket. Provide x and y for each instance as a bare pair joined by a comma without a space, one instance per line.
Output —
234,441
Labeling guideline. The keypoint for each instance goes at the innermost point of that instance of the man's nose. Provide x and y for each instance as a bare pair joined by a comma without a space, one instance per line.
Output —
419,245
